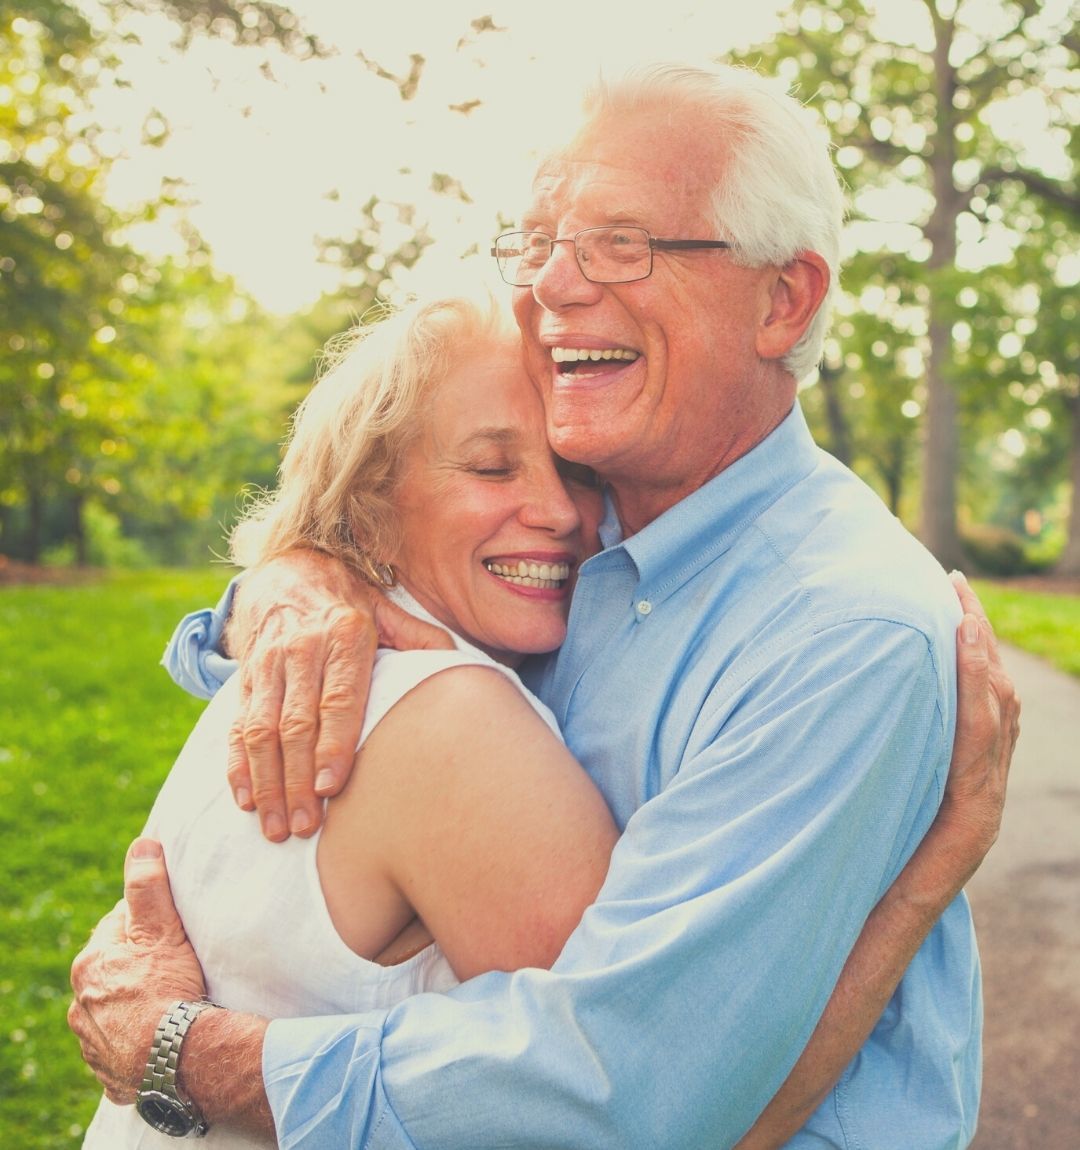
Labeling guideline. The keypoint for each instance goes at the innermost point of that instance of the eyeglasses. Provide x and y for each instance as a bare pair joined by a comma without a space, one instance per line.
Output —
611,255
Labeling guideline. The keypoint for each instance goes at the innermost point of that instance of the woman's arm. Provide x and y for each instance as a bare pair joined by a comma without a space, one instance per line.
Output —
466,811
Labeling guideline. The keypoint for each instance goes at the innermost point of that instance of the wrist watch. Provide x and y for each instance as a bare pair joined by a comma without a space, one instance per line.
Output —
157,1100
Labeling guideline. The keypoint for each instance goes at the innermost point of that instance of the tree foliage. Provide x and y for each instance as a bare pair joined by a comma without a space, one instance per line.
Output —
61,272
955,326
137,397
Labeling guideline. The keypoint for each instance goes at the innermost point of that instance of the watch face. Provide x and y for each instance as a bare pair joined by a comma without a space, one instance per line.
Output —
168,1115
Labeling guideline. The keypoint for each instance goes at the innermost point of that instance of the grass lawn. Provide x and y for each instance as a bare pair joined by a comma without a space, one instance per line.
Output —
88,728
1047,625
89,725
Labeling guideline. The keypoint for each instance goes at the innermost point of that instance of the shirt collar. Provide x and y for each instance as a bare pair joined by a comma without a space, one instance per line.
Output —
705,524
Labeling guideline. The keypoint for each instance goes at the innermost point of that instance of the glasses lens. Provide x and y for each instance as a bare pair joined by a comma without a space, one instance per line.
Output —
614,255
521,255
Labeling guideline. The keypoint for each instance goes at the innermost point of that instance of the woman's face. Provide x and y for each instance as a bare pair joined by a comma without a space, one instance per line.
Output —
492,533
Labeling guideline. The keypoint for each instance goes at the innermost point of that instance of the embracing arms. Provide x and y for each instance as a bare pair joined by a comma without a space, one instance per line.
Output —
466,817
968,823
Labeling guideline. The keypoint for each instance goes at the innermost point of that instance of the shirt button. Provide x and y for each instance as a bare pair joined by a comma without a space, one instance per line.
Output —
644,607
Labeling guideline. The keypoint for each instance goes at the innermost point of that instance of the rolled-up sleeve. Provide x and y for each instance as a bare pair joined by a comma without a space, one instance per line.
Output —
193,657
685,995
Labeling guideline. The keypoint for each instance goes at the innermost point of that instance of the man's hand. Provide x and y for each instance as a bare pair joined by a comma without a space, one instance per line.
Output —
987,727
305,629
138,961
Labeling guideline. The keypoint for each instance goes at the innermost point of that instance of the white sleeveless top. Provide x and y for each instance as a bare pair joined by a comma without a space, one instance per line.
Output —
255,910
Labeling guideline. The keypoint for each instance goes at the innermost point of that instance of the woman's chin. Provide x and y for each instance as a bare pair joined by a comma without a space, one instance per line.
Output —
525,640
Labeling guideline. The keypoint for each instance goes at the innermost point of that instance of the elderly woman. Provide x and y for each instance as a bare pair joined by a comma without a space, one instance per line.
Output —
469,839
421,459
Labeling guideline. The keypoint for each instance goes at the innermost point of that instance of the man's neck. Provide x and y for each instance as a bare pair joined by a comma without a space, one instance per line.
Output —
639,503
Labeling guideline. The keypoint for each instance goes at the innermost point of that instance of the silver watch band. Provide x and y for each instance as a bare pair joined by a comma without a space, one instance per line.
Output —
168,1038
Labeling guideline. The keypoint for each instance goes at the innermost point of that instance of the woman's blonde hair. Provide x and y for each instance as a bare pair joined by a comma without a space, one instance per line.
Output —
343,460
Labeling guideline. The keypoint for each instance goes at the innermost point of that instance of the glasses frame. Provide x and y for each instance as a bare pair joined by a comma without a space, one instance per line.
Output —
655,245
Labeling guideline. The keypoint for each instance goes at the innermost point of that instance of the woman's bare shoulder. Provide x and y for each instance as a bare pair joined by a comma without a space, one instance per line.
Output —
481,818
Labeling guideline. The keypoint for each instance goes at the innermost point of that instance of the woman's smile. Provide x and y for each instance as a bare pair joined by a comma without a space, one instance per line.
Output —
535,573
492,532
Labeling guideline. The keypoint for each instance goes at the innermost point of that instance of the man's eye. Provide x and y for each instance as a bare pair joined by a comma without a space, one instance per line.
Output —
535,248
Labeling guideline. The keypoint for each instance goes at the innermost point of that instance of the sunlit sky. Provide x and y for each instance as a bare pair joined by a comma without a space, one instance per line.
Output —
274,152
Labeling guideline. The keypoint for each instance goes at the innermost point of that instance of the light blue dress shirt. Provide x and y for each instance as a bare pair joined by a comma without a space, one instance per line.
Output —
762,684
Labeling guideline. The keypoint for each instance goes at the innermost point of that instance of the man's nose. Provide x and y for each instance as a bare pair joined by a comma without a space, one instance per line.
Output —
561,282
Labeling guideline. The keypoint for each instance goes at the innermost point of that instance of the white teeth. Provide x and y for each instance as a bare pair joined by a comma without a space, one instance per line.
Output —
594,354
528,574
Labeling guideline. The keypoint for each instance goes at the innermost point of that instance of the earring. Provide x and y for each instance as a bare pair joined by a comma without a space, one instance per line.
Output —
381,574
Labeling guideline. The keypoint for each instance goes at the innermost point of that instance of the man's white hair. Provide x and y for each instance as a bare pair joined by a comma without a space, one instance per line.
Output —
778,193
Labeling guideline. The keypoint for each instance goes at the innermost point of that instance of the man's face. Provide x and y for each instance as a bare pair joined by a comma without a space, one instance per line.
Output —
678,397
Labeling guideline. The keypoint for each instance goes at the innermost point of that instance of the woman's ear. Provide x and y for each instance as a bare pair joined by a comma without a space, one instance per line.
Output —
797,293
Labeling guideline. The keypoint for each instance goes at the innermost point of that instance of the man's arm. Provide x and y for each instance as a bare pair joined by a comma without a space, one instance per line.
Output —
304,629
195,656
966,827
303,1084
682,1001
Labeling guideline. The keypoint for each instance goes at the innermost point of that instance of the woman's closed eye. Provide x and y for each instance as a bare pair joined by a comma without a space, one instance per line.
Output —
491,469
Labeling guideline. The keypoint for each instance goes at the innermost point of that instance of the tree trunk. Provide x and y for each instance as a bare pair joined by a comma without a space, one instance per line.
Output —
839,430
35,524
940,452
78,528
1069,562
940,455
891,467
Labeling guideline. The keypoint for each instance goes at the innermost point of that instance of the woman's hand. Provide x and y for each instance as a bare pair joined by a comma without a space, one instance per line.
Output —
987,727
305,630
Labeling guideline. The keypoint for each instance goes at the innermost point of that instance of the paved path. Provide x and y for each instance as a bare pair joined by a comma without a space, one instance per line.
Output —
1026,899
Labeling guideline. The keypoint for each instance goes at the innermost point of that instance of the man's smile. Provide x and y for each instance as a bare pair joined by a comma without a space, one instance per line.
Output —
569,355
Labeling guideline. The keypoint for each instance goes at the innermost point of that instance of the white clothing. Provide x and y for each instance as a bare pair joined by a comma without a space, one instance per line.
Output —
255,910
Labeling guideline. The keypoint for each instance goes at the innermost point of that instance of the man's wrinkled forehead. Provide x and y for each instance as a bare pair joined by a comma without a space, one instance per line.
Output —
630,174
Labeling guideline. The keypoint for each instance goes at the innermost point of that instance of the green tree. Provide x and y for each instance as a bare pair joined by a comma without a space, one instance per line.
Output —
135,397
918,116
206,364
60,271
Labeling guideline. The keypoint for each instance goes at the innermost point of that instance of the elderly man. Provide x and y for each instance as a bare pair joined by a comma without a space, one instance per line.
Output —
759,674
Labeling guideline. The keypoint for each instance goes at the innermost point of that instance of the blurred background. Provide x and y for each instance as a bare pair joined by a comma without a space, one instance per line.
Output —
196,194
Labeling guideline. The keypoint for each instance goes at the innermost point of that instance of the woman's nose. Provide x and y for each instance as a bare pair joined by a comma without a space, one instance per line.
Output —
550,507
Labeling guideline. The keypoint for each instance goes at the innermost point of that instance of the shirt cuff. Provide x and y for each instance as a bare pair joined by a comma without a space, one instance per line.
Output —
324,1084
192,656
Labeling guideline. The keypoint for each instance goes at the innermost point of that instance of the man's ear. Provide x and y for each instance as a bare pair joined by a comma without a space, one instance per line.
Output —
797,293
